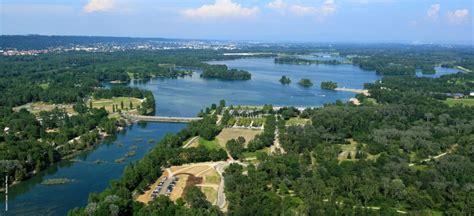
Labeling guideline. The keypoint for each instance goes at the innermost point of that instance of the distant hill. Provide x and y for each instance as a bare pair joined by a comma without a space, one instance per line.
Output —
28,42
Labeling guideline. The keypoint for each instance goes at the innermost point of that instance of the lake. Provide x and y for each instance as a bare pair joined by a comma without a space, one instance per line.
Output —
180,97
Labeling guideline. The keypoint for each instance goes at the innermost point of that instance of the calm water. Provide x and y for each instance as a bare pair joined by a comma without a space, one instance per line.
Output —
33,198
180,97
187,96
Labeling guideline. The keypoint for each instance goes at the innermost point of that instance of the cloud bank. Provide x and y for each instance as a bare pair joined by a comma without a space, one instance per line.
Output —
326,9
221,9
458,16
99,6
433,11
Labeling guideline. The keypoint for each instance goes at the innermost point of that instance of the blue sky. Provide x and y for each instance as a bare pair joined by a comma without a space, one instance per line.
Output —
421,21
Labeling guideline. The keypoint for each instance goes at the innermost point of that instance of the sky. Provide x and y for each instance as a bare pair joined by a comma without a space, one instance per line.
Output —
412,21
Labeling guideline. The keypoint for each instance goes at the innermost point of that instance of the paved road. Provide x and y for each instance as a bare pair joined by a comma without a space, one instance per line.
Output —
221,201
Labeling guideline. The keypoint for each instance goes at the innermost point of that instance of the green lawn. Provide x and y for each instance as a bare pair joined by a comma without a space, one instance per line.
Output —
466,102
209,144
254,154
297,121
107,103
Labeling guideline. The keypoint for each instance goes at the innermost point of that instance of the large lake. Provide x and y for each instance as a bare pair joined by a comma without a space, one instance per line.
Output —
180,97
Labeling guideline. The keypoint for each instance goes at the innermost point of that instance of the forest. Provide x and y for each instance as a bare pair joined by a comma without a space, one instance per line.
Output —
222,72
305,83
329,85
388,170
372,159
285,80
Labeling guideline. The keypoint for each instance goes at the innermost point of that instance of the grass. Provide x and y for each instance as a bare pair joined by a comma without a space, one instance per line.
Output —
420,167
233,133
108,103
44,86
464,101
297,121
266,150
211,145
211,194
37,107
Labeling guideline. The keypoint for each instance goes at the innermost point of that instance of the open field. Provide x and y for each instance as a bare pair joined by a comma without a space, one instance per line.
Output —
249,155
211,145
108,103
348,149
466,102
37,107
211,194
297,122
234,133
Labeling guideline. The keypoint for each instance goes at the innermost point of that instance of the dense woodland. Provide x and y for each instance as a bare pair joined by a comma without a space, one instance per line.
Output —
285,80
386,174
329,85
222,72
305,83
394,132
388,169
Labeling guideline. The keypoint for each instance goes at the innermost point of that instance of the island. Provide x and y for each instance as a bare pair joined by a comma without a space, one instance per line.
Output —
222,72
328,85
285,80
305,83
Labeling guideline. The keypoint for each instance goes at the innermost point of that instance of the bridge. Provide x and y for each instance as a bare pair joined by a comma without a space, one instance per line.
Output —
169,119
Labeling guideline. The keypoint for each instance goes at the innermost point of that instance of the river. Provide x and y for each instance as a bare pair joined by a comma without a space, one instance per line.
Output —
180,97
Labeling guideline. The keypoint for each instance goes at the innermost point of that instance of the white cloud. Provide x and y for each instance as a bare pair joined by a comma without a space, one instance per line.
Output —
221,9
277,5
458,16
328,8
99,6
433,11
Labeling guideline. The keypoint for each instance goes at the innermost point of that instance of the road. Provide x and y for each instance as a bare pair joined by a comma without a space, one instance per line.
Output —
190,141
436,157
221,201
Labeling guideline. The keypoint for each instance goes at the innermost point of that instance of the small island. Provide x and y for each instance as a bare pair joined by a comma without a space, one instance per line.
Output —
57,181
328,85
305,83
222,72
285,80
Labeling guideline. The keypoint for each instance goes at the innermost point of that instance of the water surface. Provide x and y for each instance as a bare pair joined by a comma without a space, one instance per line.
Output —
33,198
182,97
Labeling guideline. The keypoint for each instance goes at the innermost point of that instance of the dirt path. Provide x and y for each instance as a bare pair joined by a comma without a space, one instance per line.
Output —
190,142
435,157
276,147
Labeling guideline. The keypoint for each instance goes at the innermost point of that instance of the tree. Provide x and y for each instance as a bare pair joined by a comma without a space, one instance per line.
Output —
285,80
305,83
196,198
